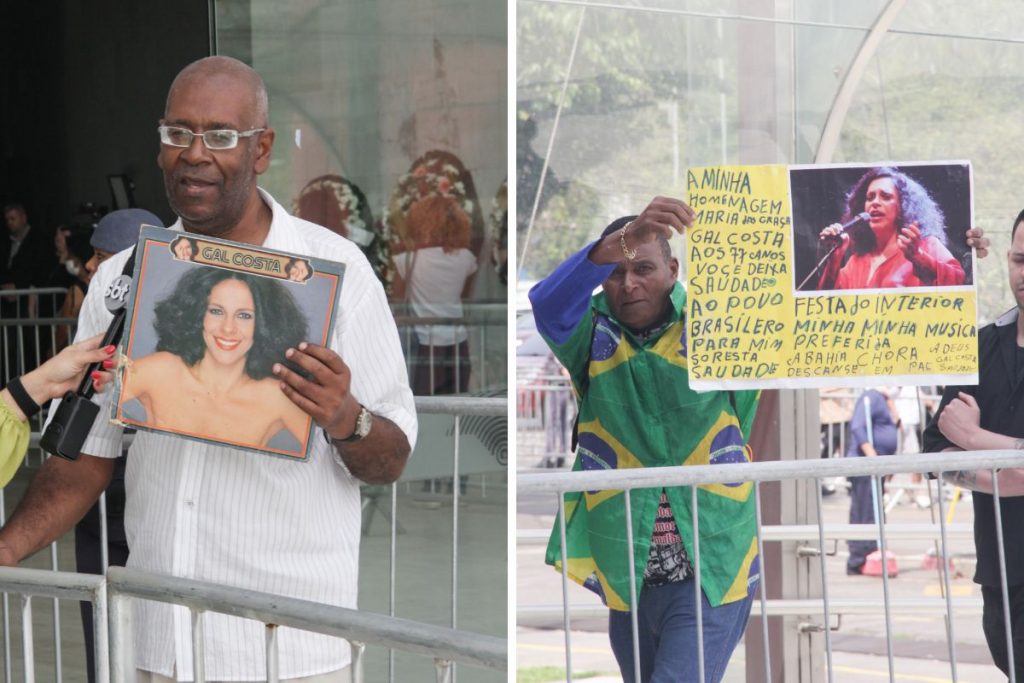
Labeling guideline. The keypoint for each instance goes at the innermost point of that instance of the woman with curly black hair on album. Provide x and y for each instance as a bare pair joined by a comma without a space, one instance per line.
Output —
219,334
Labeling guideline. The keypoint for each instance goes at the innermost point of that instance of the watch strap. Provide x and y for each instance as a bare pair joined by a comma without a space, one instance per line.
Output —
359,432
25,402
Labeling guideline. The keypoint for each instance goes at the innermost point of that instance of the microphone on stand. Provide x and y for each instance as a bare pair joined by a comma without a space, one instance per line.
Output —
862,217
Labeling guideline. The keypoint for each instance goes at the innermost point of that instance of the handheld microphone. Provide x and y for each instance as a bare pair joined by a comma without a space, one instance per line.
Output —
862,217
76,413
835,241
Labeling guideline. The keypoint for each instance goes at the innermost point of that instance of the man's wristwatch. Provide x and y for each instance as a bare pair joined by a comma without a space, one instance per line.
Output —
364,423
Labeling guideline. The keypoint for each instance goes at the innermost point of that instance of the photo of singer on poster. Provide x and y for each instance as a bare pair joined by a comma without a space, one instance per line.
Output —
881,308
205,326
881,227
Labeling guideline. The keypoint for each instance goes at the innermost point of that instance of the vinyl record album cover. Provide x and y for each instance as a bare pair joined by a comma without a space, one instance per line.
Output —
206,322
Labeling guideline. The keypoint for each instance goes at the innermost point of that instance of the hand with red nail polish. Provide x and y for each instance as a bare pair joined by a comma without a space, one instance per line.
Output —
63,372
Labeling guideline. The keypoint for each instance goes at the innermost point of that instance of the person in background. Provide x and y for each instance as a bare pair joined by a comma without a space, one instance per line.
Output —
874,430
910,408
27,255
434,277
990,416
117,231
26,260
61,275
78,252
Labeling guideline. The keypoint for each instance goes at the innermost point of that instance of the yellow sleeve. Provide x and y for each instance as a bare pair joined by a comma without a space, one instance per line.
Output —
13,442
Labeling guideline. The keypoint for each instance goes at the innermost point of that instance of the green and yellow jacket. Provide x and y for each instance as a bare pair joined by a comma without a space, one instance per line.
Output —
636,409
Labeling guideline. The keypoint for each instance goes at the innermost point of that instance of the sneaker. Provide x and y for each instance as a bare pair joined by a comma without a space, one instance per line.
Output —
923,502
851,571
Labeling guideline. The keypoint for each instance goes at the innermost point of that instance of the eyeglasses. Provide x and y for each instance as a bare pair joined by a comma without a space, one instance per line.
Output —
176,136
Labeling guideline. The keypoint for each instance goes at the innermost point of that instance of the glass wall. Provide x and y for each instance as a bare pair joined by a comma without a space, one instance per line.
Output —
650,91
377,107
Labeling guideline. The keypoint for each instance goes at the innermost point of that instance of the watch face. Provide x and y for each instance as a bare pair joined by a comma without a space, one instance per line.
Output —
364,422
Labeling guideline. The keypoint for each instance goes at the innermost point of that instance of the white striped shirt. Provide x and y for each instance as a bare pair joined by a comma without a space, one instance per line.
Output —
250,520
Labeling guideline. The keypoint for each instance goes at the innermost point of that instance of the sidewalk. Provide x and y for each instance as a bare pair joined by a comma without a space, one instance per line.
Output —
591,655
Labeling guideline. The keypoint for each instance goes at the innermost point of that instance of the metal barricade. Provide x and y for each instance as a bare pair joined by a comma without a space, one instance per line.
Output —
466,411
109,596
29,328
545,412
444,646
485,325
473,415
813,547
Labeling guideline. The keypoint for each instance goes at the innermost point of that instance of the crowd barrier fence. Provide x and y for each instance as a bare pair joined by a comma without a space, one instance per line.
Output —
817,613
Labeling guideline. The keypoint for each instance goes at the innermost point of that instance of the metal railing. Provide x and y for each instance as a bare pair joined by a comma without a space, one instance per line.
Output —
545,411
110,599
545,403
480,320
30,583
28,328
460,407
814,536
445,646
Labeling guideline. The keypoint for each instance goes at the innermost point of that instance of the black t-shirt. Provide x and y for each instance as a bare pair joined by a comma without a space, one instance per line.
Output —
1020,364
1001,400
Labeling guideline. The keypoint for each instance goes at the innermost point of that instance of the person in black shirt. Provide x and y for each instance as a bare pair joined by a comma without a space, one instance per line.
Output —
990,416
26,259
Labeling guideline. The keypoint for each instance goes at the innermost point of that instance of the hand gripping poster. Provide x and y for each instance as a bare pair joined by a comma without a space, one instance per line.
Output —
818,276
205,324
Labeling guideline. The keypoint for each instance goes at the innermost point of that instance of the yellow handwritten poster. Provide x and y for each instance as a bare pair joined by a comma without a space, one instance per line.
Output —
853,275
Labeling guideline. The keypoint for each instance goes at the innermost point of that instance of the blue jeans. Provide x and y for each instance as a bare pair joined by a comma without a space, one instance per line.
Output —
667,620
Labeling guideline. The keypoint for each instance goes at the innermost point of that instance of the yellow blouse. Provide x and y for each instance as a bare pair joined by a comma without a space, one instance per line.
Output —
13,442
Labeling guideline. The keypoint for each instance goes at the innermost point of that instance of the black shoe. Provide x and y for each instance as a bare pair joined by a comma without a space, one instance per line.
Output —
851,571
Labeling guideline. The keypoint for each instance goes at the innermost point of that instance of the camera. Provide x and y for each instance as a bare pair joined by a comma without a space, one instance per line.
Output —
66,433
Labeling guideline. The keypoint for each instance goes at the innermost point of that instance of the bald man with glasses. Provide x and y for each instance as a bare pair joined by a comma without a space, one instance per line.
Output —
219,514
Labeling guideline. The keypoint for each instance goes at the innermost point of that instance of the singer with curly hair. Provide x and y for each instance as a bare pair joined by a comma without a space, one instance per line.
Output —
902,243
184,248
219,334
